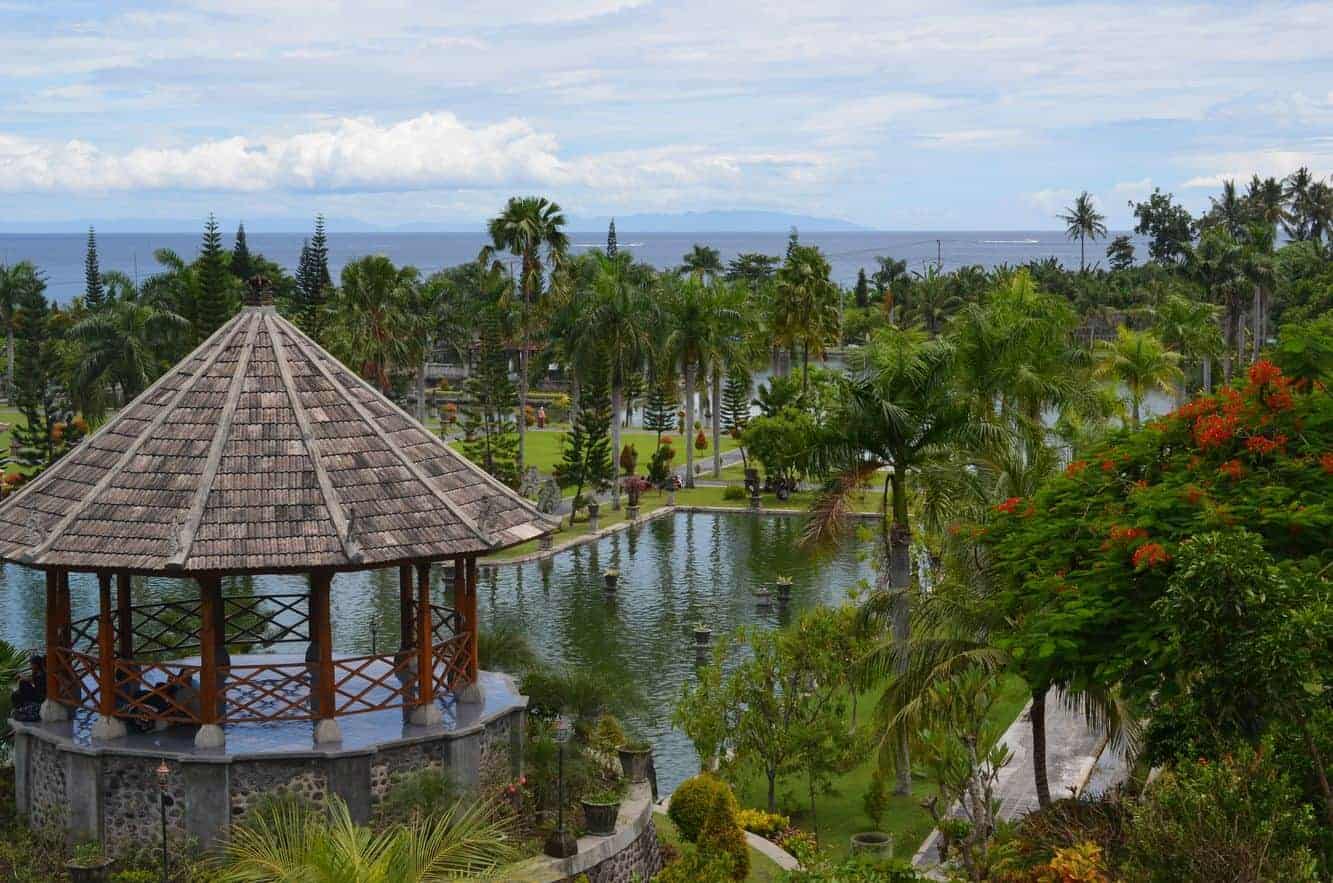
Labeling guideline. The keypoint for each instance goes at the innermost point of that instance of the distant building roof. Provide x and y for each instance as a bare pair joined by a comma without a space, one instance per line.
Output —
260,452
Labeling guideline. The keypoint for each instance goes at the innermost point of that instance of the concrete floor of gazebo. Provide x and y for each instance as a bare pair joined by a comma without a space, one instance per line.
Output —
359,731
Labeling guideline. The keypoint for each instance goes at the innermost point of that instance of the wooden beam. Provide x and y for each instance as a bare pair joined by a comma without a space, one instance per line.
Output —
124,615
406,634
425,640
106,647
210,599
460,602
321,632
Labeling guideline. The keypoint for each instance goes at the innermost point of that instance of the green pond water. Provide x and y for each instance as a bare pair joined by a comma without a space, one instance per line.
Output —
674,572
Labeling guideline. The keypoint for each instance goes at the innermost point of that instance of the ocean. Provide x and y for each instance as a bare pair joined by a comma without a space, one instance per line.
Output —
60,255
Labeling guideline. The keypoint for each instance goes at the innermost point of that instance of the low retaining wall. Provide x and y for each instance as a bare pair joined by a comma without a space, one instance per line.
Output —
101,793
630,854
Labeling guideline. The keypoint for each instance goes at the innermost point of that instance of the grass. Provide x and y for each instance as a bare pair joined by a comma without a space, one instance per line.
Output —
11,418
762,868
840,814
541,448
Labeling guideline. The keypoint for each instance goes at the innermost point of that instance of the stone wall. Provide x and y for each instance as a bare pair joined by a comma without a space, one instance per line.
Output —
47,808
642,858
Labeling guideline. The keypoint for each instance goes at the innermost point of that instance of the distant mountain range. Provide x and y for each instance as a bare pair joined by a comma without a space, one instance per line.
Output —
679,222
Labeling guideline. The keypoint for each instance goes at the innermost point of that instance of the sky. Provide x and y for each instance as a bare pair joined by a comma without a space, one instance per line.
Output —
898,116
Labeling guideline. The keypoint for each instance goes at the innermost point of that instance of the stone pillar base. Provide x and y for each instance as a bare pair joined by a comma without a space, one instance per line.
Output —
106,729
210,736
328,730
473,693
53,712
427,715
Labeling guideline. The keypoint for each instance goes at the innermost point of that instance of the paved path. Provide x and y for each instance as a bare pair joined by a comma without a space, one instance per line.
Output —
1072,752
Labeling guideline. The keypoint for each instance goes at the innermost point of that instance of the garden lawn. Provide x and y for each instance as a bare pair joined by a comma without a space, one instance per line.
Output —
841,813
542,448
762,868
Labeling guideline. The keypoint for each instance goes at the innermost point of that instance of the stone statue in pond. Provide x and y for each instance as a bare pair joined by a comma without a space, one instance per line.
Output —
530,484
548,497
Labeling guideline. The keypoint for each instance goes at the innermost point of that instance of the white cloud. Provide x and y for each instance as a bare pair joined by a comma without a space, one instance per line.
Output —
978,139
1315,154
1050,201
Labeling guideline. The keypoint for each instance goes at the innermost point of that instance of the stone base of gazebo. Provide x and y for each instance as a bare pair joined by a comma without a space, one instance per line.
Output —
108,791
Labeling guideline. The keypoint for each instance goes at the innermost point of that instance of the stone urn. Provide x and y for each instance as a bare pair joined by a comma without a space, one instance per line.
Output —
763,597
593,508
611,578
782,588
632,512
671,496
875,844
545,543
703,636
96,870
634,759
600,812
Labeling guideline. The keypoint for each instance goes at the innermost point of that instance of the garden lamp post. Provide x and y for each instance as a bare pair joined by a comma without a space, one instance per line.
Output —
163,778
561,844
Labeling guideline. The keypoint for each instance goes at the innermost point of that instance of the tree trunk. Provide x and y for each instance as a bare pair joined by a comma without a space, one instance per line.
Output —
688,434
772,790
421,391
1207,374
522,401
1321,775
805,366
573,398
1134,410
1256,321
9,390
717,421
900,575
617,393
1037,716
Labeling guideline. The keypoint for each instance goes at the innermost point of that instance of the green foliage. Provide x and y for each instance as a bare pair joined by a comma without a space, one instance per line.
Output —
721,835
659,467
780,442
94,292
876,799
1167,225
584,693
695,866
490,434
421,792
736,400
586,457
855,870
765,824
1304,350
136,876
218,289
1233,818
242,265
504,645
607,735
659,412
42,437
734,492
694,799
1120,253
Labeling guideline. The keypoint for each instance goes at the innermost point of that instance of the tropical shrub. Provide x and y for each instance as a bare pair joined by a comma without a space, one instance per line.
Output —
607,735
765,824
422,792
1236,818
692,801
854,870
734,492
721,835
693,866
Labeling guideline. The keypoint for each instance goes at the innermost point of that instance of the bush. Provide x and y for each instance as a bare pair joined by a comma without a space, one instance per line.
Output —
1237,818
721,835
607,735
1026,850
766,824
695,867
734,492
139,876
423,792
855,870
692,801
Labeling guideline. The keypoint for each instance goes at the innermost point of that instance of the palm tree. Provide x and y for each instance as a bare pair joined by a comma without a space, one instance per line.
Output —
1265,201
1189,327
1218,262
289,841
1083,222
1138,361
373,315
123,344
702,261
805,305
530,229
696,319
930,301
620,319
902,411
1228,210
15,281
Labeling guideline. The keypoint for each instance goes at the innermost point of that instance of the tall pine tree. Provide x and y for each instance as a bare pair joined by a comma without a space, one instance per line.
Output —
94,291
736,400
215,282
659,411
490,433
586,455
612,247
242,265
313,281
862,289
36,392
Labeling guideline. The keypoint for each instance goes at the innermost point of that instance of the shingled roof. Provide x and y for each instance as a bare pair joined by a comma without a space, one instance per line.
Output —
260,452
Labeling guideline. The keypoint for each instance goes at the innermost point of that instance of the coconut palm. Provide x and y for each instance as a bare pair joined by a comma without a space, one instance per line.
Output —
530,228
1083,222
1189,327
1266,202
1228,210
1218,262
899,410
805,305
288,841
702,261
15,281
373,314
620,320
1138,361
696,319
122,345
1261,274
930,301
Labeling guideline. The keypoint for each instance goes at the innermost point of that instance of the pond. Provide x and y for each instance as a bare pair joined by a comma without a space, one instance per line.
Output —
674,572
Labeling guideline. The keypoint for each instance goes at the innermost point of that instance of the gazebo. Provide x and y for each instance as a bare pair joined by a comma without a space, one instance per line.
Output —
259,453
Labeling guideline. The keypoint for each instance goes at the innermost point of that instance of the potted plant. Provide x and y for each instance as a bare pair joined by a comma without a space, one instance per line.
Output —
782,587
634,759
89,864
593,507
611,576
600,811
703,634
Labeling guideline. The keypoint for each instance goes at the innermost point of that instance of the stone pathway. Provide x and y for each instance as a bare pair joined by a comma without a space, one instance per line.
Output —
1073,750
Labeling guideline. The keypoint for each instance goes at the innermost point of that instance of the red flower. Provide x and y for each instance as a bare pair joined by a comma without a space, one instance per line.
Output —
1193,495
1279,400
1009,505
1262,446
1140,485
1150,555
1232,469
1076,468
1121,534
1215,430
1326,462
1108,466
1264,372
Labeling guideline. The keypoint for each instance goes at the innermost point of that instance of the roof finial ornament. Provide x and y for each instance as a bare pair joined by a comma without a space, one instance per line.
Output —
32,531
486,518
353,544
259,291
174,538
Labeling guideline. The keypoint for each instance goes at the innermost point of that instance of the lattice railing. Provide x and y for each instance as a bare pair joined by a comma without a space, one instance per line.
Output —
158,691
278,691
452,657
373,683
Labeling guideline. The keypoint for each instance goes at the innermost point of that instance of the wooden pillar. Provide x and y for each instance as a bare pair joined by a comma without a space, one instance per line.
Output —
210,706
107,725
426,711
471,618
51,708
64,617
124,616
460,595
406,629
321,633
